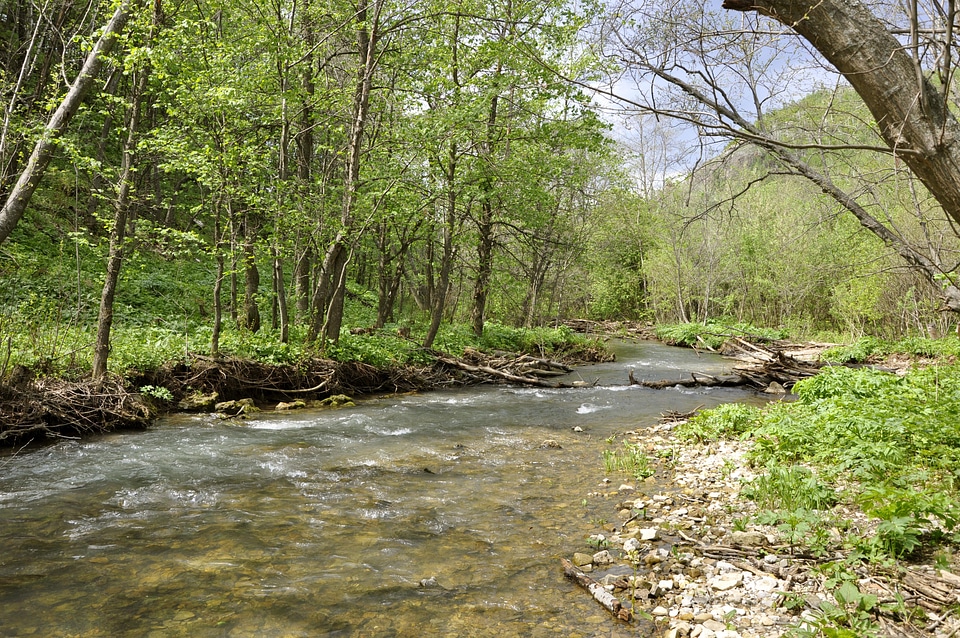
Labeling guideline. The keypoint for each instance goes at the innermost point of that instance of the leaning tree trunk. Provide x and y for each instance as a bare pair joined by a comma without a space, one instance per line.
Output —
913,116
19,197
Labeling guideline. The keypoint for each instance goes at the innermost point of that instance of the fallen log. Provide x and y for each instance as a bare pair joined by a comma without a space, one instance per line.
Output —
697,379
609,602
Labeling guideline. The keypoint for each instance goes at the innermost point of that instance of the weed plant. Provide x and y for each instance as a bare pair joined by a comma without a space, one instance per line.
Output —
713,333
628,458
867,348
892,442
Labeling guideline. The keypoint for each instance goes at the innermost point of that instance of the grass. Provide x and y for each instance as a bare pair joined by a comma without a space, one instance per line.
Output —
629,459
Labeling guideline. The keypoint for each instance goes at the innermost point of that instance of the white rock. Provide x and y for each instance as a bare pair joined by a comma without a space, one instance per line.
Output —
725,581
665,585
602,557
631,545
764,584
660,610
649,533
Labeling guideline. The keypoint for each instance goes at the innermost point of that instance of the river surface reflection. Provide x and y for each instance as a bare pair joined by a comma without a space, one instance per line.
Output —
323,523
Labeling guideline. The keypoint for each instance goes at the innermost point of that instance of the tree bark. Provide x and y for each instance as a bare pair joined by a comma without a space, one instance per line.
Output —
20,195
485,225
913,118
251,280
337,258
101,350
446,257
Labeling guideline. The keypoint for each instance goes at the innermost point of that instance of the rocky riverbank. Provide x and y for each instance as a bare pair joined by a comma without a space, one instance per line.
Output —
686,556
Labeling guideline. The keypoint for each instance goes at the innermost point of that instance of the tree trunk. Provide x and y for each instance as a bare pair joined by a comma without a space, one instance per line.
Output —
101,349
251,280
217,285
337,259
19,197
485,225
281,297
446,257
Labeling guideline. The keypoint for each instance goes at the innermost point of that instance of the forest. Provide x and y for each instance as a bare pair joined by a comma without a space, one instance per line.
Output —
255,178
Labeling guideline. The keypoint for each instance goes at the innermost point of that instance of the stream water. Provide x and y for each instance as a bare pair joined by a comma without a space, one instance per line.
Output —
323,523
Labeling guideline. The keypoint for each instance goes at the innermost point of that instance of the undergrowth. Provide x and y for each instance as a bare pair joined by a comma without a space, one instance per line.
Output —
713,333
859,438
870,348
887,443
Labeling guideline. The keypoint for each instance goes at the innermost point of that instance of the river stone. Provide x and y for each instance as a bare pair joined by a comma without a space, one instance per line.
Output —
581,560
337,401
602,557
726,581
234,408
293,405
649,534
748,539
198,402
775,388
631,545
714,625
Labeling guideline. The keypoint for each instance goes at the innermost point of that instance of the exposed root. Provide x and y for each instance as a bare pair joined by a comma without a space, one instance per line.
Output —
53,408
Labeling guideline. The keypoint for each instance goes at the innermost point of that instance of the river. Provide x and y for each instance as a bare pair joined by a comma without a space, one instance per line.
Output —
324,523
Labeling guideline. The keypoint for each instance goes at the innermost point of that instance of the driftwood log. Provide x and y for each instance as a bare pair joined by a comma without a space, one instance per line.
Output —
609,602
765,367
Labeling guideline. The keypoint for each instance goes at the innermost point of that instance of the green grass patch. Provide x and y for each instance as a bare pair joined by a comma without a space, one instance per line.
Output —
629,459
713,333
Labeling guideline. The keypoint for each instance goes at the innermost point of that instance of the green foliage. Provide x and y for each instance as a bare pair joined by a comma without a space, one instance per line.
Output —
865,348
789,488
628,458
727,420
896,438
713,333
380,349
157,392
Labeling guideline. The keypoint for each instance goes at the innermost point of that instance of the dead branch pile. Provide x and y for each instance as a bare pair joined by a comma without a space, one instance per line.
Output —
773,366
477,367
232,378
47,408
54,408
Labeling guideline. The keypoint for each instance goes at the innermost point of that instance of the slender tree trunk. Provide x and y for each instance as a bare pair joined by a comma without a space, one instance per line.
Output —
446,258
217,284
19,197
101,350
485,225
281,297
251,279
337,258
301,278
